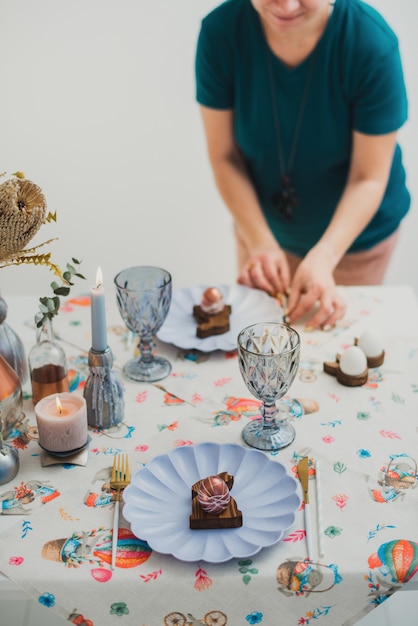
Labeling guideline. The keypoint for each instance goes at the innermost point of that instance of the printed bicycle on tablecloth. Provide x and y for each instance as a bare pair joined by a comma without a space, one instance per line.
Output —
213,618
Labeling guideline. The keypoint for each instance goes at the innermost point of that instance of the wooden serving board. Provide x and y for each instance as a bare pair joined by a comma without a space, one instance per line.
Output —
231,517
209,324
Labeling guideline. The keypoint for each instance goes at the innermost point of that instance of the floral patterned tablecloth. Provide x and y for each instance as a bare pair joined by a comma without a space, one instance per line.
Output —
55,528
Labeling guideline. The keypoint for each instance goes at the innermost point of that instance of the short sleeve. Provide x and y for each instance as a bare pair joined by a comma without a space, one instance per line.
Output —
213,69
380,105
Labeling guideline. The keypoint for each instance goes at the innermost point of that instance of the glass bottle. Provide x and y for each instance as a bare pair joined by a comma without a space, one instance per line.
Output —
10,415
11,346
11,400
47,364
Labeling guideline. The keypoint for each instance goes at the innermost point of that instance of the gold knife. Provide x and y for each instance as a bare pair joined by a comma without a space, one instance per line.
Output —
303,472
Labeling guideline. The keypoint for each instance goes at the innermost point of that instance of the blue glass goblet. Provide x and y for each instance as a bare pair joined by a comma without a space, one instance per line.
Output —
143,295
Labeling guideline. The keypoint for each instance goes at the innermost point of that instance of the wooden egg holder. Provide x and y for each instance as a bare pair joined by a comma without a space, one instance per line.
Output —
333,368
209,324
231,517
373,361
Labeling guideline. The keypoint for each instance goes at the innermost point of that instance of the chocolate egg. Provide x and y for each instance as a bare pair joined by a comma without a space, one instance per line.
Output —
212,300
212,294
213,495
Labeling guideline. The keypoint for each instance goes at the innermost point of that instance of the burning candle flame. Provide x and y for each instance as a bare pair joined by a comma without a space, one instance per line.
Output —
59,405
99,277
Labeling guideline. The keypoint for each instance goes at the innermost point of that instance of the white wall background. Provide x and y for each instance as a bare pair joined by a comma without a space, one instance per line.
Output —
97,107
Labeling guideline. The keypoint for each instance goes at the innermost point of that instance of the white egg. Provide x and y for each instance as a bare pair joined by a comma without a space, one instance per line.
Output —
371,343
353,361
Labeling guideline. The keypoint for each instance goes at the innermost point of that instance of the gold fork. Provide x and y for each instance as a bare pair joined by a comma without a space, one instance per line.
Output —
119,479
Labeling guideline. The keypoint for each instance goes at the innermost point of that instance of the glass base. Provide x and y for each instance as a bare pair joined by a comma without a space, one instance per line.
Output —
279,435
147,371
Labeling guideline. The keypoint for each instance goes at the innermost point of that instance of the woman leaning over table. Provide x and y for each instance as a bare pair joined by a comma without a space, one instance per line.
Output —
301,101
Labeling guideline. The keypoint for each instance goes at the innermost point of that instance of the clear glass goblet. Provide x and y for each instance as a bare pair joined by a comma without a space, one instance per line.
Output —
143,295
268,356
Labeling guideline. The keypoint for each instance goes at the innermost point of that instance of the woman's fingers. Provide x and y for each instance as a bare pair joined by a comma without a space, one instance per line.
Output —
267,273
327,310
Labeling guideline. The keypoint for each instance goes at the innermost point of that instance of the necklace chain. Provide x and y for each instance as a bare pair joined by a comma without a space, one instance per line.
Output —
286,199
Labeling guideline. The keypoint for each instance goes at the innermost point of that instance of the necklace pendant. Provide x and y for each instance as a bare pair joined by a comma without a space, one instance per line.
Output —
285,200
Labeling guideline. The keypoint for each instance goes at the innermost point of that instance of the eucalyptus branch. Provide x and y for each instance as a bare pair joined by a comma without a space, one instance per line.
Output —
49,305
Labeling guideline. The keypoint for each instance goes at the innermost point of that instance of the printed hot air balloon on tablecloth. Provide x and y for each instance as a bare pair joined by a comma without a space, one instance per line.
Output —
82,546
399,556
131,551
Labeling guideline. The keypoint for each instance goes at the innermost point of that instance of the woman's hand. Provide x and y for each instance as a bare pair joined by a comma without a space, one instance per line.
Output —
268,270
313,286
263,264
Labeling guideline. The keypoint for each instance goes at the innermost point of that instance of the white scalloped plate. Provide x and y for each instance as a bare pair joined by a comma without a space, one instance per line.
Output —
248,307
158,502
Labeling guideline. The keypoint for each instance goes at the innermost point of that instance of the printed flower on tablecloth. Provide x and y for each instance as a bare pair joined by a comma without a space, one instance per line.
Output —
333,531
340,500
47,599
254,618
202,580
363,454
119,608
16,560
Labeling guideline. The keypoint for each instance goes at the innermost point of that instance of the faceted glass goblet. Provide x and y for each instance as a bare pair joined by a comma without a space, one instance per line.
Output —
268,356
143,296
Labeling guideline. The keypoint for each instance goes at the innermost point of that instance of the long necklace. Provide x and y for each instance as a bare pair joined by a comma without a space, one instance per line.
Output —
285,200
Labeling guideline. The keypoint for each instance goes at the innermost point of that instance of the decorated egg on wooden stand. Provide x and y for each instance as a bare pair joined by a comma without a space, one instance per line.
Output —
212,504
213,495
350,368
372,345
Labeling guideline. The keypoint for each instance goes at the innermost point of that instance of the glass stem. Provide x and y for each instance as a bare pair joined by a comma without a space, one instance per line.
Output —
146,346
269,413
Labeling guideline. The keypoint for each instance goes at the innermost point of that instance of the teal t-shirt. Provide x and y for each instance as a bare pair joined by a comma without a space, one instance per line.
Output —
356,83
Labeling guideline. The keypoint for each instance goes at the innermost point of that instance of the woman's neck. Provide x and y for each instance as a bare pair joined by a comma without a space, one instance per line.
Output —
292,47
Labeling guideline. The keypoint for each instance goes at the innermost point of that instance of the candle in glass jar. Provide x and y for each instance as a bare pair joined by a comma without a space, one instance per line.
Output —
62,422
98,315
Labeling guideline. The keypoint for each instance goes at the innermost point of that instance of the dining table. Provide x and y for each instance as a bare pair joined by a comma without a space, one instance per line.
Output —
361,443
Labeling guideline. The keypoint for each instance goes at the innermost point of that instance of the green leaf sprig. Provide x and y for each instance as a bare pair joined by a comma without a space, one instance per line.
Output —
49,305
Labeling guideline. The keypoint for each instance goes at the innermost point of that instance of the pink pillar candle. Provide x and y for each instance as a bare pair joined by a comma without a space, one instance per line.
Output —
62,427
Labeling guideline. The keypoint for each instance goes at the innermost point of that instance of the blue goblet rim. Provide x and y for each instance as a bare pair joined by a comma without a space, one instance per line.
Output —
292,332
167,279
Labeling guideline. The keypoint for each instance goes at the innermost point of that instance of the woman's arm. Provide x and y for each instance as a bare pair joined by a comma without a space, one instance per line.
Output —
267,267
368,176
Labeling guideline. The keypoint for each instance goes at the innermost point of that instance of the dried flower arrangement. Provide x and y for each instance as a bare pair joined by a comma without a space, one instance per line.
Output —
23,211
